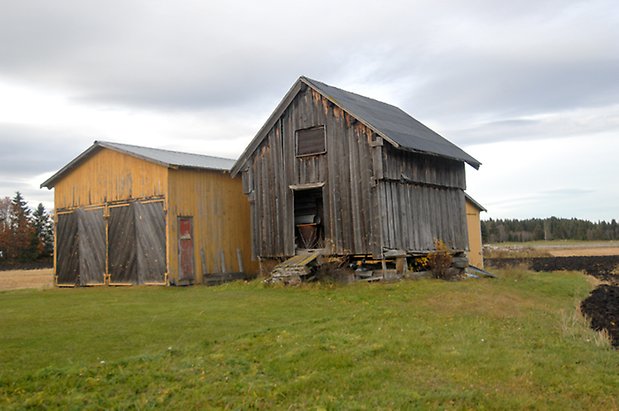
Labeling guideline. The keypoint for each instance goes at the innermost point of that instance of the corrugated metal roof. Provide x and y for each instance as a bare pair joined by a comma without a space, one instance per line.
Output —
167,158
172,158
392,123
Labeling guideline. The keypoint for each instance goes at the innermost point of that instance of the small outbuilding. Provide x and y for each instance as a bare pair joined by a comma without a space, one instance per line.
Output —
136,215
351,176
473,221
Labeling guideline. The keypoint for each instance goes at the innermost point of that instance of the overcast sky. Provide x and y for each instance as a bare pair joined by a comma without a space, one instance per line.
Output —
529,88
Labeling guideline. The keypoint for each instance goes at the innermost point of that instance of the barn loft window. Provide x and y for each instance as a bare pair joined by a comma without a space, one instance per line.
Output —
311,141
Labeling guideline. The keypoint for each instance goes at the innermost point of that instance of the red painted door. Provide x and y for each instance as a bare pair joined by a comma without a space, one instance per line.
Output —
185,248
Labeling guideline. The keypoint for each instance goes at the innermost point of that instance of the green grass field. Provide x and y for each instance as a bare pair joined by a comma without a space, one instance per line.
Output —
511,343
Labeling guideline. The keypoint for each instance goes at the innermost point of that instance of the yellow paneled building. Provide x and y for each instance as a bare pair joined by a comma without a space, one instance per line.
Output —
136,215
473,211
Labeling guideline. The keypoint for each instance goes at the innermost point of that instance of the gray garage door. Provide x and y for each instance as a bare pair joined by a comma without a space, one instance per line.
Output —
136,237
80,242
67,250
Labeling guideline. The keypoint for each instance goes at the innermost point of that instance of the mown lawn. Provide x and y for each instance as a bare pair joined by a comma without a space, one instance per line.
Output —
511,343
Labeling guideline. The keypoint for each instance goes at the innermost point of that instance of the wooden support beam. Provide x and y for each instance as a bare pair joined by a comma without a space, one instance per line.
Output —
239,258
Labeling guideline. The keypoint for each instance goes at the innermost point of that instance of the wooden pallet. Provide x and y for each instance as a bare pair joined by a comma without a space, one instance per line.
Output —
294,270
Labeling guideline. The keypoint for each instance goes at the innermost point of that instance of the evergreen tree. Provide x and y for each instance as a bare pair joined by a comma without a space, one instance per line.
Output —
44,229
5,227
484,232
25,242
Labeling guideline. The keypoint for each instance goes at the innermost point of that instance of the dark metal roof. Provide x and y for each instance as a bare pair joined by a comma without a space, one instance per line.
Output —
390,122
393,124
166,158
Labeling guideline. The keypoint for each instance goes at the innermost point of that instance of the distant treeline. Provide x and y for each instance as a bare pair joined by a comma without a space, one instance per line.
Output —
534,229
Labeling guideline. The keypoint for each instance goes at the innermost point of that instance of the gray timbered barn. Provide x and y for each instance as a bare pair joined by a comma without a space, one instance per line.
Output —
349,175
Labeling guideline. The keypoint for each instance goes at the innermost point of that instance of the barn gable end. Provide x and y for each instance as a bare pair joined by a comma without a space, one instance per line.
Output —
374,193
109,176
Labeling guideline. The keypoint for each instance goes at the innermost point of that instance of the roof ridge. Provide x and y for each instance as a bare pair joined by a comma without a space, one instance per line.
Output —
162,149
353,93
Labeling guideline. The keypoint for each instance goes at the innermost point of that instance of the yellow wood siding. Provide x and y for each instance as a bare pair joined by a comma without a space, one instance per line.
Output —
110,176
474,228
220,214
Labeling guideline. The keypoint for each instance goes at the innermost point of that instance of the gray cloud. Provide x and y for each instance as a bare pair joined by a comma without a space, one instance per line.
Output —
33,150
187,56
589,122
29,152
478,72
486,85
574,191
459,60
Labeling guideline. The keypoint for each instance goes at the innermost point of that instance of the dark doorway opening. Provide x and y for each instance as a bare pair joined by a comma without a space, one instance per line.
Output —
185,250
309,218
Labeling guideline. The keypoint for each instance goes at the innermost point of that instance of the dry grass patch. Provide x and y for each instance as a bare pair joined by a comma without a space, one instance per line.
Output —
497,306
576,326
499,251
19,279
584,252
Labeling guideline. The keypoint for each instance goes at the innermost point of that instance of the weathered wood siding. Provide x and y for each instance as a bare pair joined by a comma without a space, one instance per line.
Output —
422,199
109,176
345,169
418,168
375,197
415,215
220,214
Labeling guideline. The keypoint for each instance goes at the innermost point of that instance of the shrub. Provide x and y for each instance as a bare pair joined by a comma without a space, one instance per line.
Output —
440,261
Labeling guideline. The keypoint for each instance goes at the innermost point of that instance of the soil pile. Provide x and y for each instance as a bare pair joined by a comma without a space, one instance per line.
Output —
602,307
601,267
598,266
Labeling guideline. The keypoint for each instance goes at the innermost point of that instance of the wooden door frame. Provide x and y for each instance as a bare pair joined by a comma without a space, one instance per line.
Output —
297,188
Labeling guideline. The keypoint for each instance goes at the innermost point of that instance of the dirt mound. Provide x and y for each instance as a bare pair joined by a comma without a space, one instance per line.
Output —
604,266
602,307
598,266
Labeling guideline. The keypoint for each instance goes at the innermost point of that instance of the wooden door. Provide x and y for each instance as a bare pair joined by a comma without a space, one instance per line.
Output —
92,249
122,246
150,228
185,249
